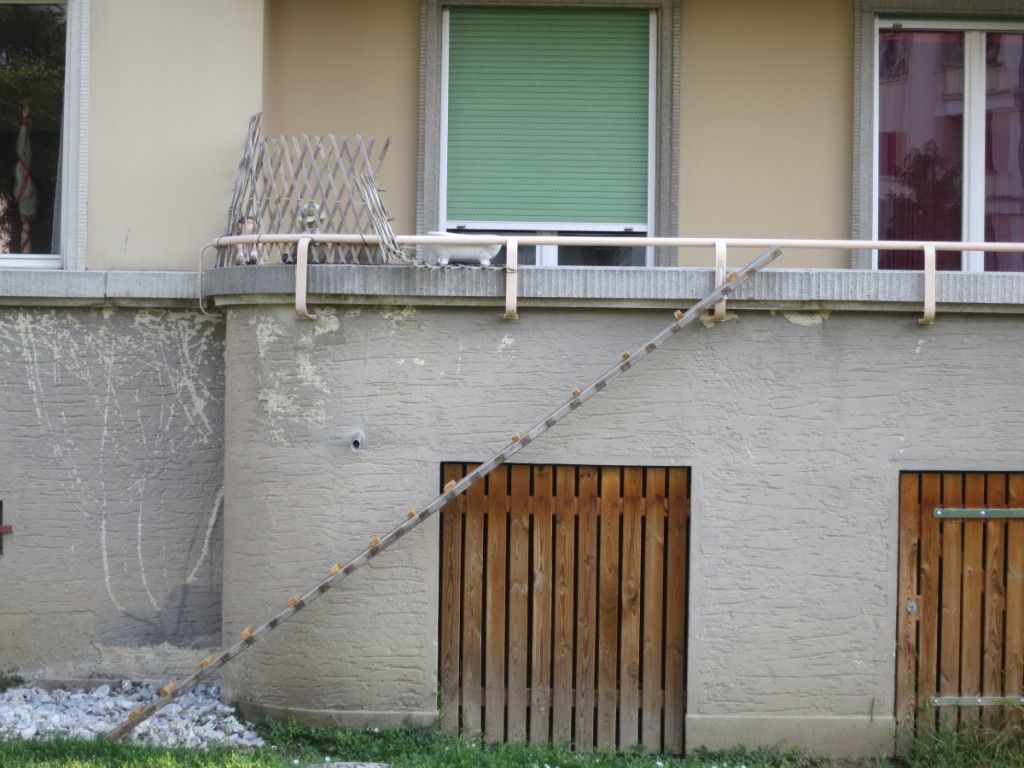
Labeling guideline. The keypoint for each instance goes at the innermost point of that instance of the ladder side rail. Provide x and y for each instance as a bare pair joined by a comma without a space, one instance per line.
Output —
173,690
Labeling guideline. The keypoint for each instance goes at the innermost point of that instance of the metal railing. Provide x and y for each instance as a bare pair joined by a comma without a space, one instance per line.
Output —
302,242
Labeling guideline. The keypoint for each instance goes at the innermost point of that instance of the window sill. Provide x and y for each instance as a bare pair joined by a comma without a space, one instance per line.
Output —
57,287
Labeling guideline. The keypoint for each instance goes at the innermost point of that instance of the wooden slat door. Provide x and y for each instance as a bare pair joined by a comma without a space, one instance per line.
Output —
563,605
960,626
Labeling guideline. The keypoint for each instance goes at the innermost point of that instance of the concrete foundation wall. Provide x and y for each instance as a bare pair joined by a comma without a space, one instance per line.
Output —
796,426
112,436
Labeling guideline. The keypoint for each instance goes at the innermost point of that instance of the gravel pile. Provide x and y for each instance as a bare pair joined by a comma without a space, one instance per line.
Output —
196,719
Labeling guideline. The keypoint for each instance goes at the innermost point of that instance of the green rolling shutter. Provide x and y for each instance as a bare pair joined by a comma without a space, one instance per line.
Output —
548,115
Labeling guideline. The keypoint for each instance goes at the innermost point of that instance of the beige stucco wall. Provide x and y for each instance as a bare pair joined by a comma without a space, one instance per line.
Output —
172,86
765,139
766,122
347,67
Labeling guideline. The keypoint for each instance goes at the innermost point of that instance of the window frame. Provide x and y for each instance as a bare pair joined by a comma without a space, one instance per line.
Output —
869,16
74,145
663,105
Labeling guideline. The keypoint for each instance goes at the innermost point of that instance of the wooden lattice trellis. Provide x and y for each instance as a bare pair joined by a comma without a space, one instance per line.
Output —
296,184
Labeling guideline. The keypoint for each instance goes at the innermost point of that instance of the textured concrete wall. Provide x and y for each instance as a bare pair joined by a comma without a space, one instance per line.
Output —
111,434
796,426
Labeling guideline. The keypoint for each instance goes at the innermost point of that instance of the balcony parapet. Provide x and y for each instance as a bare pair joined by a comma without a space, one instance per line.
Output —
618,287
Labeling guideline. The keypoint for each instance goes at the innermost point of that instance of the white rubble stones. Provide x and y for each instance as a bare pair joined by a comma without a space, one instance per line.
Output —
196,719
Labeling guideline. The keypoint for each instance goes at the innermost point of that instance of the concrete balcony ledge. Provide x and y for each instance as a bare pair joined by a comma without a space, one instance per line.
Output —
624,287
54,287
620,287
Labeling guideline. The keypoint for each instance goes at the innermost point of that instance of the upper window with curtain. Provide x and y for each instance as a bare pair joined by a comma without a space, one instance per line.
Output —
950,140
32,76
547,126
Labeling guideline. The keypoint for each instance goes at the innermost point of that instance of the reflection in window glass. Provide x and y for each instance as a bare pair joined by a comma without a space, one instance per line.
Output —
1004,149
950,144
920,175
32,54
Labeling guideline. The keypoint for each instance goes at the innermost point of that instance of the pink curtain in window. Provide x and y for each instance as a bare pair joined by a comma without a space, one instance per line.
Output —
920,174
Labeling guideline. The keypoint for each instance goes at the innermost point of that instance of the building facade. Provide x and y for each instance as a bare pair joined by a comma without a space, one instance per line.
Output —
174,472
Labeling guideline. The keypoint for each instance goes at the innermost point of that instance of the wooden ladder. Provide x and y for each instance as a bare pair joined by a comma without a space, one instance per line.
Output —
252,635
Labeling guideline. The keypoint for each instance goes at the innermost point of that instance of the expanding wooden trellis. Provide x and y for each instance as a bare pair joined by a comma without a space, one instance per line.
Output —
296,184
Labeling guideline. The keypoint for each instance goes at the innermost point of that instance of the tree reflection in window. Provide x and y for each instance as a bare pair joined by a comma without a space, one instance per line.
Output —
32,55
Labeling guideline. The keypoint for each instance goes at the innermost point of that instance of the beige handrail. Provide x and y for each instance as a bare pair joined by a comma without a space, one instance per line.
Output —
721,246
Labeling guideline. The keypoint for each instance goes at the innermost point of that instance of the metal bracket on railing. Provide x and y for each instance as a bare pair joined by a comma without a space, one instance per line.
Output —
301,264
720,251
511,278
929,286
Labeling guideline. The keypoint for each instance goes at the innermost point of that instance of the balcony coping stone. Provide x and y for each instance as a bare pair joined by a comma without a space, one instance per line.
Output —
568,287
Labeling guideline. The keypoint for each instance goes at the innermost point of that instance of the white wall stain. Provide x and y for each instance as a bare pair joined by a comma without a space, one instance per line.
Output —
119,396
807,319
327,321
211,522
294,389
507,346
399,318
267,333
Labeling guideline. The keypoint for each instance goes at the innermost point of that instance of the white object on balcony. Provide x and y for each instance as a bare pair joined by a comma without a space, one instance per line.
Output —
445,253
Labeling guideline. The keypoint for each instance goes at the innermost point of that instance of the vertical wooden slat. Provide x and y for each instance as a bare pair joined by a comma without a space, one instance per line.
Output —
1015,591
995,592
972,603
497,594
560,609
518,602
654,608
565,618
586,609
472,615
928,638
675,612
540,667
608,605
629,674
451,604
949,622
906,623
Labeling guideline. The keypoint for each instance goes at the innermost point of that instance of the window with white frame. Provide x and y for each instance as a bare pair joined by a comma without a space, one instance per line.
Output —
546,123
42,133
949,139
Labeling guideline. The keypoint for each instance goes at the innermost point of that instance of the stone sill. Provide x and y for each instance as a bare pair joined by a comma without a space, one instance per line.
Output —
72,288
568,287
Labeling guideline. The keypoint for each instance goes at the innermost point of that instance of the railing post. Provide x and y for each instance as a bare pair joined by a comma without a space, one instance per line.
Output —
720,256
301,264
929,285
511,278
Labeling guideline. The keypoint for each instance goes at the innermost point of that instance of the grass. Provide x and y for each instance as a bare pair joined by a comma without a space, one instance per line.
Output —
292,744
972,746
10,680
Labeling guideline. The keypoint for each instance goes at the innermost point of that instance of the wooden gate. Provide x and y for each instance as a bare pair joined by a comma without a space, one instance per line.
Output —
961,596
563,605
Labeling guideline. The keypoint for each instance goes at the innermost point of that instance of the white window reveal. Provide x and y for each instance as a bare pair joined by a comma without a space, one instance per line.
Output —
950,140
43,50
547,126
